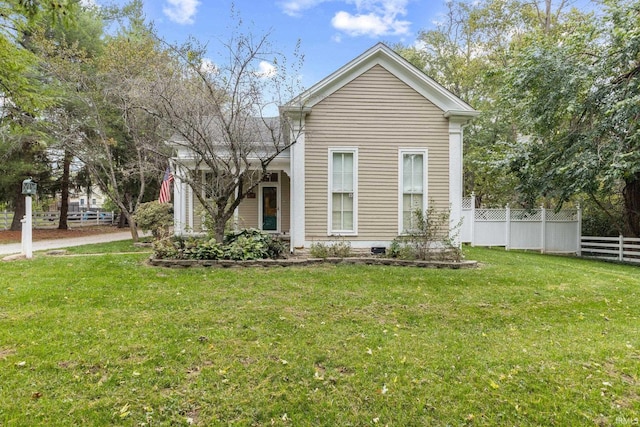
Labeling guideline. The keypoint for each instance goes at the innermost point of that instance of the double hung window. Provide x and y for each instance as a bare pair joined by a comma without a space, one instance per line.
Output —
343,184
412,187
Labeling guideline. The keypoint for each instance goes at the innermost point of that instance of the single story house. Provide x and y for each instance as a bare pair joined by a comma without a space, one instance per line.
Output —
377,139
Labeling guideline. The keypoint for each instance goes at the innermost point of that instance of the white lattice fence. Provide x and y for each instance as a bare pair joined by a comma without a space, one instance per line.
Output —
536,229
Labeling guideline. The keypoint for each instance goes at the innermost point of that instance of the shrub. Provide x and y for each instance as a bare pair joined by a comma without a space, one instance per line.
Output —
341,249
155,217
432,238
319,250
247,244
168,248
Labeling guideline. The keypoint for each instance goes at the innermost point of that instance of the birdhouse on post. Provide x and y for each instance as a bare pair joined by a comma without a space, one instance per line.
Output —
29,187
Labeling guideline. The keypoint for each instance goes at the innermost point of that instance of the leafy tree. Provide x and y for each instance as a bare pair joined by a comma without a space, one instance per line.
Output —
98,120
466,53
74,47
472,51
23,96
580,103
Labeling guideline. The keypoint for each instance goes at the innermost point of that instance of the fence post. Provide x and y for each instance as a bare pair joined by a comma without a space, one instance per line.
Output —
473,218
621,248
507,213
579,233
543,230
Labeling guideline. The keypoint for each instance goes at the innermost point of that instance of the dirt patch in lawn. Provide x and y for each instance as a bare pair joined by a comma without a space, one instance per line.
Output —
7,236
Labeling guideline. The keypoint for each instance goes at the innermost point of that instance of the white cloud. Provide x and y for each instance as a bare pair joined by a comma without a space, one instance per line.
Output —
370,24
371,18
208,66
266,70
181,11
296,7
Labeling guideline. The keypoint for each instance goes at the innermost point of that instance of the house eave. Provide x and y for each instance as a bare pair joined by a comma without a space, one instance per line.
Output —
465,115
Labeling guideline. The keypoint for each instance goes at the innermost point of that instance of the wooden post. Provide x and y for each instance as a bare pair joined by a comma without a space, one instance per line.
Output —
473,218
507,245
579,234
621,248
543,228
27,227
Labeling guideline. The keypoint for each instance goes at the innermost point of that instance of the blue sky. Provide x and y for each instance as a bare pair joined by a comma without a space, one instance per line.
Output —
331,32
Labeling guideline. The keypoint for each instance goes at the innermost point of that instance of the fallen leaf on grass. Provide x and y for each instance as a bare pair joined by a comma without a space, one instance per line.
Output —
124,411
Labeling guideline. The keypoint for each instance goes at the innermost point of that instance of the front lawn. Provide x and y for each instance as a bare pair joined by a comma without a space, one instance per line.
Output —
523,340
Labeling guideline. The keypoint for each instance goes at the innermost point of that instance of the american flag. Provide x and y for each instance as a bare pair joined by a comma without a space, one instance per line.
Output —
165,188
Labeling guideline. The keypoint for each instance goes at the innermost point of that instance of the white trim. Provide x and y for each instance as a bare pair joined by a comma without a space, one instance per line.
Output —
189,196
236,212
455,175
297,190
277,186
425,181
330,230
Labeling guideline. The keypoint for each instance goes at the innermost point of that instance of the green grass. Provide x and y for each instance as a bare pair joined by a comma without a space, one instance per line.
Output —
122,246
524,340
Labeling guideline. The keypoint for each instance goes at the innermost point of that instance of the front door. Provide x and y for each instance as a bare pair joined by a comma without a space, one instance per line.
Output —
269,205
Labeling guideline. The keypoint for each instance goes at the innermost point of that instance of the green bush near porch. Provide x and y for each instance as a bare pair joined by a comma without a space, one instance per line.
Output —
523,340
247,244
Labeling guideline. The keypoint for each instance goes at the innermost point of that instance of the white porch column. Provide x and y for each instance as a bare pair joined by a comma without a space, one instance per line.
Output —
455,173
297,188
179,202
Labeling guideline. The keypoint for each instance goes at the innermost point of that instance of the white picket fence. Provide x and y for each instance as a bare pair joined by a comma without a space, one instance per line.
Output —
535,229
623,249
51,219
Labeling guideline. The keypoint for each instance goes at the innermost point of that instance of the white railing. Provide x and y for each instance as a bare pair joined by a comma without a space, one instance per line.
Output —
623,249
536,229
51,219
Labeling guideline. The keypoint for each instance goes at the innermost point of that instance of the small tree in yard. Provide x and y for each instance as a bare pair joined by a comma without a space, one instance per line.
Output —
219,114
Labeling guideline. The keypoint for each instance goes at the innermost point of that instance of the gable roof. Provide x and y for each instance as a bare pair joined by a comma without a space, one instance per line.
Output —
381,54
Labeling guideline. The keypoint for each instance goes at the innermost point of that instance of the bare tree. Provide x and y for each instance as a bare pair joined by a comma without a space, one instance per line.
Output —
224,118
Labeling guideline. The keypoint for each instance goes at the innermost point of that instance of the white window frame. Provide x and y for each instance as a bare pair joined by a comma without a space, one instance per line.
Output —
330,230
425,190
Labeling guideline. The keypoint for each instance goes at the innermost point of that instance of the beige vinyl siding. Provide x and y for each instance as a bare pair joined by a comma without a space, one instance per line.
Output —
198,215
285,198
248,209
378,114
